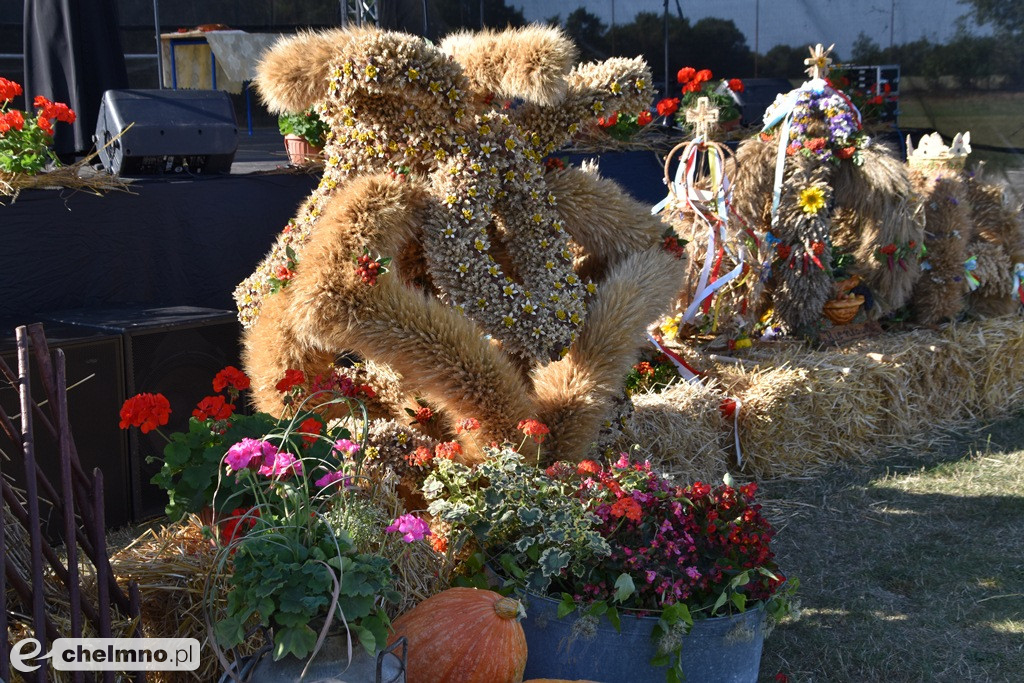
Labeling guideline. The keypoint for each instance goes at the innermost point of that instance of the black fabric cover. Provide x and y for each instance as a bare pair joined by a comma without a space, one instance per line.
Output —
72,55
184,242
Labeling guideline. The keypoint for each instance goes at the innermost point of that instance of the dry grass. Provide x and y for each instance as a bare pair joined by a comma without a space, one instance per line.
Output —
911,568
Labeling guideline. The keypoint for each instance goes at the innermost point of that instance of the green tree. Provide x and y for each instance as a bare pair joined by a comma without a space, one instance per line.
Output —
589,33
719,45
1005,16
456,14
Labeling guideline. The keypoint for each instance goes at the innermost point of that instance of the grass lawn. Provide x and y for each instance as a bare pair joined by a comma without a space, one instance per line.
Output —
911,569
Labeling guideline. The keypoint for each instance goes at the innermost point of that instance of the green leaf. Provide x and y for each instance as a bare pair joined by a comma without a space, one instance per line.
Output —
553,561
740,600
720,602
298,641
566,606
613,617
176,454
366,638
598,609
624,587
530,516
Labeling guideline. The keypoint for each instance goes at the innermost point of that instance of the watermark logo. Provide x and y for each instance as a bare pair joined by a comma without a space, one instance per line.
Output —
108,654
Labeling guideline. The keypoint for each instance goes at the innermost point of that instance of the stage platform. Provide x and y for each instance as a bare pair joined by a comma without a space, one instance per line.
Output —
171,240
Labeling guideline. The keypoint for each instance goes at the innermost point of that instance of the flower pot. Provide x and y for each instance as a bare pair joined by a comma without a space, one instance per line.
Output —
331,665
719,650
300,151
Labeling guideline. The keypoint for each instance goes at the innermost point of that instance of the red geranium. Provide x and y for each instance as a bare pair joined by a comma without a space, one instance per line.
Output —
692,86
421,456
668,106
644,117
686,74
447,450
423,415
702,76
292,378
230,377
213,407
145,411
235,526
736,85
533,428
311,426
9,90
467,425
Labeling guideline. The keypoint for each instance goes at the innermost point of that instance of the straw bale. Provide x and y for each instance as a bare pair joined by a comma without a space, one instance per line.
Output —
804,409
680,430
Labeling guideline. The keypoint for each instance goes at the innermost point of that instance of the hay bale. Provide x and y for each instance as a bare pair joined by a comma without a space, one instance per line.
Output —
681,432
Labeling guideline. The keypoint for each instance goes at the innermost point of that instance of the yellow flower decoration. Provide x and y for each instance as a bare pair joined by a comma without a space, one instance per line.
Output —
812,200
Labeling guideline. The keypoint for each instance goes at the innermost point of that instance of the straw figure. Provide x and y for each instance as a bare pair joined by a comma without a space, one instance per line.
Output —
473,280
974,240
816,187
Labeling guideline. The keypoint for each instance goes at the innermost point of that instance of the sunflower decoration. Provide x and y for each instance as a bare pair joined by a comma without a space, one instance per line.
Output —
811,200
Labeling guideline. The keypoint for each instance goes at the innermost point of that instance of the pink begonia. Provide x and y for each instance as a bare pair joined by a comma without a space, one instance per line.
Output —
346,447
249,453
411,527
281,465
623,462
330,478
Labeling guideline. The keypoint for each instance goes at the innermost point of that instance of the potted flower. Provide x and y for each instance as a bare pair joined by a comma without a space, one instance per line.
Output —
625,576
722,94
299,525
305,134
26,137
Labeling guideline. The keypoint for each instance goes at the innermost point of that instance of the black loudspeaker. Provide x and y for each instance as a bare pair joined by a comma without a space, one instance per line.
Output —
94,370
171,131
174,351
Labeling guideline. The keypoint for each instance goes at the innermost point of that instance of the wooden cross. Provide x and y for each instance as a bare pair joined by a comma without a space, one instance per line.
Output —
819,61
703,118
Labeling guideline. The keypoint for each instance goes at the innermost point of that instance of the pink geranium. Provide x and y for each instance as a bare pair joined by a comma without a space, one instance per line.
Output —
411,527
346,447
249,453
330,478
281,466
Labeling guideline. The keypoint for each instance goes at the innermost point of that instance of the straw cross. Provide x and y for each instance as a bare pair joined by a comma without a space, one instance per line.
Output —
819,61
703,118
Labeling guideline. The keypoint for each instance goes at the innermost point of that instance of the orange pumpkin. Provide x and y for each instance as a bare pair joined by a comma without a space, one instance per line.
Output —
464,635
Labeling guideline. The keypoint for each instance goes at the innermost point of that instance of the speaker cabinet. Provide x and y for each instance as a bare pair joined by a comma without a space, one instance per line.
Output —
147,132
95,376
175,351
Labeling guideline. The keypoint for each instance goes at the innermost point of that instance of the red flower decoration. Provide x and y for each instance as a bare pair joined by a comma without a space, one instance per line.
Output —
736,85
644,368
644,117
846,152
213,407
439,544
672,246
534,429
888,249
610,121
467,425
588,467
686,74
702,76
423,415
230,377
668,106
145,411
783,250
727,408
292,378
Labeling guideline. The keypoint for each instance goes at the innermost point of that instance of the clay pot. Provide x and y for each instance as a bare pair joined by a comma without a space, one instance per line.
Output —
300,151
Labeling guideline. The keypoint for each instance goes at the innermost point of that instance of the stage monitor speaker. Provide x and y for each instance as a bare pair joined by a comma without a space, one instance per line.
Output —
95,377
147,132
175,351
